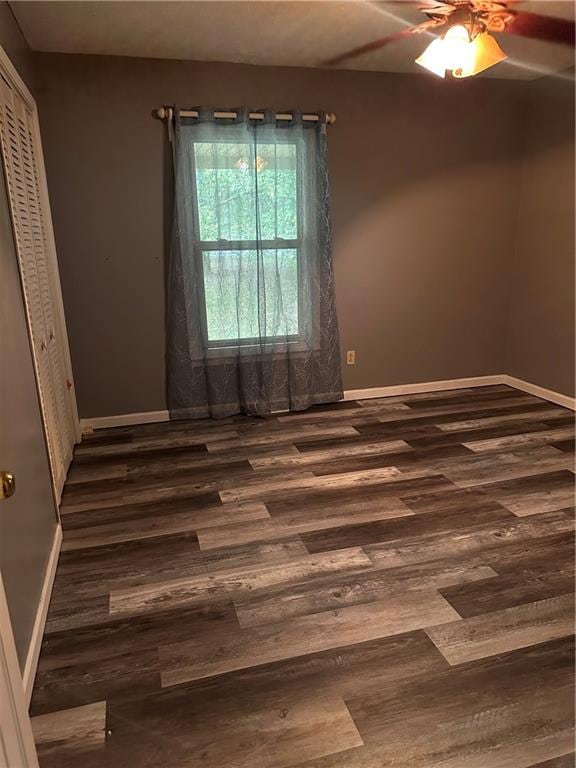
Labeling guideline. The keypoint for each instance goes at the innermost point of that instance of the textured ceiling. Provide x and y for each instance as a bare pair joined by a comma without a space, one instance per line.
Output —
298,33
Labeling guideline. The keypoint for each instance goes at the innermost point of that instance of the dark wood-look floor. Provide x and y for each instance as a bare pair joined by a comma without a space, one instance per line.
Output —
370,584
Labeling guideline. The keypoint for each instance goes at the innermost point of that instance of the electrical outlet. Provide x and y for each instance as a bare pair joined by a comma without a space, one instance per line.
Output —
351,357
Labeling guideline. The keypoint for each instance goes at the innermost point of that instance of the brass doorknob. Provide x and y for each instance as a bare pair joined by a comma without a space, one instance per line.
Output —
7,485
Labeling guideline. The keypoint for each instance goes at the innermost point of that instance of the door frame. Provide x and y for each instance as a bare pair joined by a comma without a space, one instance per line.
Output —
17,746
10,74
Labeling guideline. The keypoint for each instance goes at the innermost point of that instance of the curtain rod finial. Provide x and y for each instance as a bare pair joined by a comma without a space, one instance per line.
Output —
161,113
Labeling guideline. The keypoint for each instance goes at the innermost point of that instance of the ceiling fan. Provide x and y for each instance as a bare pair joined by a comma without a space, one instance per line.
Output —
466,47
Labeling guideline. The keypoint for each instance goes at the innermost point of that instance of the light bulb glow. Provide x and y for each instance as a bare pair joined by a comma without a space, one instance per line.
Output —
456,47
456,53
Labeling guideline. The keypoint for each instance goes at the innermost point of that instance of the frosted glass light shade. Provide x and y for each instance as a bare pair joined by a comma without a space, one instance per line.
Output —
455,52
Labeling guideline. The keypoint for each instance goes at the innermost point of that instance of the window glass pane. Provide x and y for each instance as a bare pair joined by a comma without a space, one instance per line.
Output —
251,295
229,179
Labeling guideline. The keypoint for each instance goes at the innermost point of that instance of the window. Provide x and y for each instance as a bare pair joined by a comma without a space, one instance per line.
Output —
248,210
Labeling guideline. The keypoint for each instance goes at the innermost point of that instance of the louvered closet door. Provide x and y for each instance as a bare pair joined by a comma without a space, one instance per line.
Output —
22,179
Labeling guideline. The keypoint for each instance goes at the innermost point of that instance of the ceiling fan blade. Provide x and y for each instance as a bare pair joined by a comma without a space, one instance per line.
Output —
383,41
549,28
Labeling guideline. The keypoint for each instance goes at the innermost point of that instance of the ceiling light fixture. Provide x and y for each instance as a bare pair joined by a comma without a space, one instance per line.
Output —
460,53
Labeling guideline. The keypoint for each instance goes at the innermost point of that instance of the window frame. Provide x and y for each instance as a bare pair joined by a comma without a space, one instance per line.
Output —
252,344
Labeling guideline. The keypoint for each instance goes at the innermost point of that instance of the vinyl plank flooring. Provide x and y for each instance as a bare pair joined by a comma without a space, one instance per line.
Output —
368,435
367,584
544,413
497,391
72,731
567,446
142,445
330,454
469,689
206,462
334,415
541,742
123,675
452,715
181,662
447,498
532,495
422,424
164,525
109,499
337,592
467,410
104,515
469,539
525,585
142,476
276,732
342,671
126,557
404,460
127,453
391,530
80,573
213,561
468,437
565,761
303,433
484,468
294,523
505,630
302,485
80,474
325,496
67,611
458,397
225,583
533,438
124,635
549,553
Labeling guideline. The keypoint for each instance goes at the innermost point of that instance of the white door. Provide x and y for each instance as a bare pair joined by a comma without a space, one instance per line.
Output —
27,194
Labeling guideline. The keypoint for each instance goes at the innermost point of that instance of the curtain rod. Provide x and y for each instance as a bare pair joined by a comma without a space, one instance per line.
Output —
166,113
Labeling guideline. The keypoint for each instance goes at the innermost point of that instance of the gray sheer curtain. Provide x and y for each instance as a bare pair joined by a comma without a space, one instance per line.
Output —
251,317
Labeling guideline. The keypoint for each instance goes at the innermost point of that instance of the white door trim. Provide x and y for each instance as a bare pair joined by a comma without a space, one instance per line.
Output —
40,622
17,746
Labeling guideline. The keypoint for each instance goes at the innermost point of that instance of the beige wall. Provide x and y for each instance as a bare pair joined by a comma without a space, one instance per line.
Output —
541,340
418,168
13,42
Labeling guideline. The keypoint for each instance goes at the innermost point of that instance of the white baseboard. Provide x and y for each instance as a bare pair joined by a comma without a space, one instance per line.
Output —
148,417
123,420
424,386
546,394
41,613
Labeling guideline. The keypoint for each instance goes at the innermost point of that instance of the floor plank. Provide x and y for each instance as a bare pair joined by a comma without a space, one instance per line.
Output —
71,732
532,495
191,660
133,601
505,630
269,733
